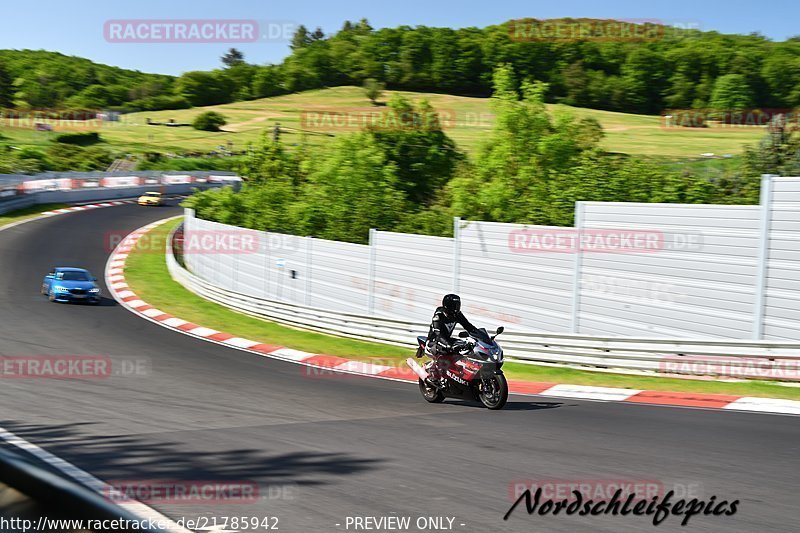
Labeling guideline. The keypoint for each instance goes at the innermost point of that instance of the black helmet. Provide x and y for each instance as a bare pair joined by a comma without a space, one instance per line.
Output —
452,303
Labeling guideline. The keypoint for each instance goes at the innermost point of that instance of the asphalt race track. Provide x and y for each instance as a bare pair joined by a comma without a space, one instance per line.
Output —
325,448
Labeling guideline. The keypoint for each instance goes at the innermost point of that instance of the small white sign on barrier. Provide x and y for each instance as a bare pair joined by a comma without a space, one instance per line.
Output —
121,181
176,179
59,184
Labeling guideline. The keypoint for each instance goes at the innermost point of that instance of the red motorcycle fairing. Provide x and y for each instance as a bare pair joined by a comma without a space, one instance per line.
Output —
458,368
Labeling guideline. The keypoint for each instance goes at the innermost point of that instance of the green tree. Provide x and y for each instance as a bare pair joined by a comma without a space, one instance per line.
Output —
232,58
351,189
645,74
6,89
159,103
72,157
204,88
527,146
373,89
49,79
222,205
731,92
576,84
268,81
275,189
24,161
301,38
363,27
317,34
414,141
681,92
777,153
146,89
781,73
239,79
209,121
308,68
93,97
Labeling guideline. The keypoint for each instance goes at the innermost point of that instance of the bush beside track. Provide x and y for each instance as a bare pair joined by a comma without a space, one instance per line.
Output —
147,275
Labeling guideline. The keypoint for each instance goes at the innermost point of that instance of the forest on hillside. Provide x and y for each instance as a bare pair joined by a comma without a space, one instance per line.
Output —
677,69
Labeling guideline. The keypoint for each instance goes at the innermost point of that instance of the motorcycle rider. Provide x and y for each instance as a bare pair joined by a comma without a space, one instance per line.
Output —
440,340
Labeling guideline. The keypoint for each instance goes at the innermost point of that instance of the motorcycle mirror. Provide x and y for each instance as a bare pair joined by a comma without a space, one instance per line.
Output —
463,334
500,330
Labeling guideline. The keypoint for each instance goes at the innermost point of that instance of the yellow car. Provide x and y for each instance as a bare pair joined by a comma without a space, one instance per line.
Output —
150,198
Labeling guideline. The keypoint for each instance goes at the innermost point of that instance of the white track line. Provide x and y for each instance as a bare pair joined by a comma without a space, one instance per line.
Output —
84,478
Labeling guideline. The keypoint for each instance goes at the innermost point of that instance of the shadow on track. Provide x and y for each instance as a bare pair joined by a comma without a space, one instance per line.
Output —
104,302
131,457
510,406
107,302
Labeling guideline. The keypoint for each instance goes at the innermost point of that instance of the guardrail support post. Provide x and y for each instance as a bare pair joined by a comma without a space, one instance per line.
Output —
309,259
763,256
456,254
371,280
577,266
217,274
266,263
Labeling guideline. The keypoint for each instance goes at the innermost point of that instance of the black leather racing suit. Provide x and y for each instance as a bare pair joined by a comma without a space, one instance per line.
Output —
440,333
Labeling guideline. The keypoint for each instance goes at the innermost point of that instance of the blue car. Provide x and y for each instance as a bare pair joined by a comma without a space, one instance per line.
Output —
67,284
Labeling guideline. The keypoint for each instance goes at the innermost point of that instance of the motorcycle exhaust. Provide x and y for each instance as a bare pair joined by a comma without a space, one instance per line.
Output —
418,370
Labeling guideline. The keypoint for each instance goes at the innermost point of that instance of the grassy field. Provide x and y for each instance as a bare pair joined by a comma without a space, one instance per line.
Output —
146,273
469,119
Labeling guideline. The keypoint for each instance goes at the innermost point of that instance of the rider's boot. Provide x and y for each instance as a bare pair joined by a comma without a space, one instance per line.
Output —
435,376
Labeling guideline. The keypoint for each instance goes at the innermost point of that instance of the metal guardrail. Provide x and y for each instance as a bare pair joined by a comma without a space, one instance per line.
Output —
744,359
20,191
16,202
63,498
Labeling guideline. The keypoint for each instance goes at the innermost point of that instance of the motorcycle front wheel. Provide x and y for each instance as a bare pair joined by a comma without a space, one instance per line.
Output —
493,391
430,393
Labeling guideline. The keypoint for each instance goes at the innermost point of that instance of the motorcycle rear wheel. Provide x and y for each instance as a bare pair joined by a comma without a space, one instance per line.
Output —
494,393
430,393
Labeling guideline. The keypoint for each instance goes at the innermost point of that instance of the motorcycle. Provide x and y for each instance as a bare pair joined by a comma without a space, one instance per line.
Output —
472,370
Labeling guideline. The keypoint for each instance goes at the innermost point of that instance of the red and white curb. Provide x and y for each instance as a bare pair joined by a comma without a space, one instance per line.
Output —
110,203
81,207
115,280
64,211
85,207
